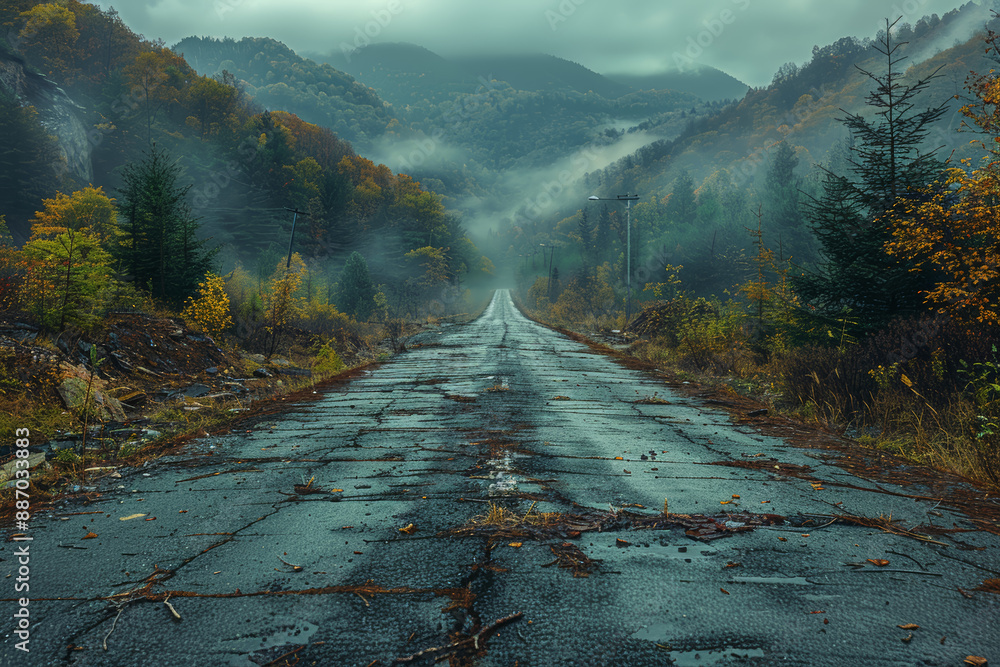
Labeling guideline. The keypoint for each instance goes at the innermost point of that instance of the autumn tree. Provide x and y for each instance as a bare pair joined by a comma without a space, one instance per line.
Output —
281,305
66,271
89,208
48,36
951,232
161,75
210,310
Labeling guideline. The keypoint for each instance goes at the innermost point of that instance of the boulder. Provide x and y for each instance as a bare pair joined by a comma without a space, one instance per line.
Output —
73,391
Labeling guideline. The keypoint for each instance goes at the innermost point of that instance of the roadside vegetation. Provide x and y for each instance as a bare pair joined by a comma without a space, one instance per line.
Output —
885,325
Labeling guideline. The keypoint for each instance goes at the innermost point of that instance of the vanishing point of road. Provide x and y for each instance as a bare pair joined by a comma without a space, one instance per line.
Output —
495,496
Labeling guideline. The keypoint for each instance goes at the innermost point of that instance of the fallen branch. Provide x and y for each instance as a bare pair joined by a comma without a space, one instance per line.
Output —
173,611
482,635
105,643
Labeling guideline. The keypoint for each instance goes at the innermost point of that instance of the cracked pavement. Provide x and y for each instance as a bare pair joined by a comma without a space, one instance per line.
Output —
378,557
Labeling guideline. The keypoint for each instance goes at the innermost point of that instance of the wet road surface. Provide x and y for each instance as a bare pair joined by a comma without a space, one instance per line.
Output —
386,553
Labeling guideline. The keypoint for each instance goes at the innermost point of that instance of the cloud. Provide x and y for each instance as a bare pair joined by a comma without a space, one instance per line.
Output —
635,36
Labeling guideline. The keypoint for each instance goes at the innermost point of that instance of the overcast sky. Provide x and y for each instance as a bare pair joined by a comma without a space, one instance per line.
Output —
749,39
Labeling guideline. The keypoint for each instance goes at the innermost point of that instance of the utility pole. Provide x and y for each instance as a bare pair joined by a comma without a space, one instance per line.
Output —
296,213
628,199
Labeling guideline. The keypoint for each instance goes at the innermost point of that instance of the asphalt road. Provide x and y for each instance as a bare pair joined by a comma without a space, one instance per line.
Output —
578,567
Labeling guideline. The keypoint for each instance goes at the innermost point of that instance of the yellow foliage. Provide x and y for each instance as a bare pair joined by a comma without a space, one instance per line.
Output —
955,232
210,311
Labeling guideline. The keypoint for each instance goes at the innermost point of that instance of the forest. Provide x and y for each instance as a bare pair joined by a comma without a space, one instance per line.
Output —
194,176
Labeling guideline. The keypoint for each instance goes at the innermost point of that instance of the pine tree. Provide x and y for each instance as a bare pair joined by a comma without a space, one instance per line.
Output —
356,292
159,247
682,207
850,216
781,208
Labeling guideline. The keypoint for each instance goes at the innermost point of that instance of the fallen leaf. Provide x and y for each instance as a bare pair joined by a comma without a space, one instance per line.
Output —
732,564
89,536
618,458
908,626
182,511
622,543
725,502
805,534
358,553
130,516
907,638
764,502
217,572
881,562
724,591
561,398
736,496
627,472
977,661
152,518
817,612
782,539
409,530
516,545
336,490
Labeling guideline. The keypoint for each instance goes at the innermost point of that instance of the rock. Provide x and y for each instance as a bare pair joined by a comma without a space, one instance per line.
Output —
262,373
73,391
212,371
280,361
8,469
195,390
85,347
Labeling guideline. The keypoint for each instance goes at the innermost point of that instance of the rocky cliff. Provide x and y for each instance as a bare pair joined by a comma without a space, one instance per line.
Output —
60,115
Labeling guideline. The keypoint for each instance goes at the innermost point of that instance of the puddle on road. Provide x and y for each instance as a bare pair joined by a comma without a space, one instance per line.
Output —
796,581
660,634
713,656
291,633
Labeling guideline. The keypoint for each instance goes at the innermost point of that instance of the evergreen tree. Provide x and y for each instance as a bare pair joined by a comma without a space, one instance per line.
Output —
781,205
682,207
356,292
159,247
850,216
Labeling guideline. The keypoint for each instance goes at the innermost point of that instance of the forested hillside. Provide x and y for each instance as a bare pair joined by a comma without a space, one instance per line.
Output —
829,242
131,176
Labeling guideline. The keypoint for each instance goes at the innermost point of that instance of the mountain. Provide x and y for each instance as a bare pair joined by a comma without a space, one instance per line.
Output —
804,104
708,83
278,78
545,73
404,73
